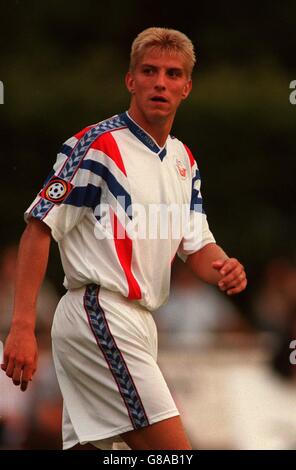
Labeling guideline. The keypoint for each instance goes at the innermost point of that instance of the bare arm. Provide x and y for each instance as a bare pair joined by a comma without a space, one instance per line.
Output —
20,353
212,265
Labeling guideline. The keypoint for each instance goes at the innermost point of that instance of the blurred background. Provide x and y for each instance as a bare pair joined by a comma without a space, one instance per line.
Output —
225,359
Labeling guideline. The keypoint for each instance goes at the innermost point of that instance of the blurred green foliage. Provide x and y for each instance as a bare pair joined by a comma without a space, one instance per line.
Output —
63,65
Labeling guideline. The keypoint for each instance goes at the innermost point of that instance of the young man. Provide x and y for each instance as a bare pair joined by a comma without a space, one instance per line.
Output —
105,181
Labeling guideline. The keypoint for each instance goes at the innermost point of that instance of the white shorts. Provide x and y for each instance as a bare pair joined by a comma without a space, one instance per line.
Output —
105,352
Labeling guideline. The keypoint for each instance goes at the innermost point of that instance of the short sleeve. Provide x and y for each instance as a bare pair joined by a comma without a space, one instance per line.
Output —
197,233
67,193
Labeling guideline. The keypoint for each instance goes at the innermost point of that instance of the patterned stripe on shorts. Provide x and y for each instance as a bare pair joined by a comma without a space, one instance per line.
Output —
114,358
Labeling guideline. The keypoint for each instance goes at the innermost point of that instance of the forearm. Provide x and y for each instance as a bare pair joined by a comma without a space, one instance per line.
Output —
201,263
31,266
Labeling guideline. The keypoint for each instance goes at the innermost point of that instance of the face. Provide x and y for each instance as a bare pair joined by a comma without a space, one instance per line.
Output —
158,85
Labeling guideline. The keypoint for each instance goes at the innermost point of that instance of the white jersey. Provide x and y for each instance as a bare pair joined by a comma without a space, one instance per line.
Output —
121,207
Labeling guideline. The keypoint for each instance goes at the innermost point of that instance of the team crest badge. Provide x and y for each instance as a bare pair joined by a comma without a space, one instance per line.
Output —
181,169
56,190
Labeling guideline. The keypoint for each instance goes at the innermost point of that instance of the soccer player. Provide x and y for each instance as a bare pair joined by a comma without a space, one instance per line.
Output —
123,199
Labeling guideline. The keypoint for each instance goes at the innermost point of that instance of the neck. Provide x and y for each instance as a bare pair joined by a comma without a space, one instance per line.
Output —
158,128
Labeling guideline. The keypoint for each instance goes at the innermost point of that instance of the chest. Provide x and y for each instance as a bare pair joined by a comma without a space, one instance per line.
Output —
155,180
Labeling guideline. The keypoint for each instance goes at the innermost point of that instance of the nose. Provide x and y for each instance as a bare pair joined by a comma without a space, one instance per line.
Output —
160,81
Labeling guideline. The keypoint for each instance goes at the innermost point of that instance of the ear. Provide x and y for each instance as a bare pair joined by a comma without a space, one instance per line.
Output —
129,82
187,89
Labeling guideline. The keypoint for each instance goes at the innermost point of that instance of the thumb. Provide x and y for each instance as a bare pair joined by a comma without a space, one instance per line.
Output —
218,264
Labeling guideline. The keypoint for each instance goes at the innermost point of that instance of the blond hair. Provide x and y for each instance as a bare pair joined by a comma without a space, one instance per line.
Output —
164,39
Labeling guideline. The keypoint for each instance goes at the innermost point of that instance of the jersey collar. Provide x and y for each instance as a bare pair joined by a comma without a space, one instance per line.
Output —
143,136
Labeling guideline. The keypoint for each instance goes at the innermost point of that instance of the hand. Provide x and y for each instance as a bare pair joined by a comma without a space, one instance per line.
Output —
20,357
233,274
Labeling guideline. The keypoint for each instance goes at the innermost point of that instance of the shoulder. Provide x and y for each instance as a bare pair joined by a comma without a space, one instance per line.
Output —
93,132
94,148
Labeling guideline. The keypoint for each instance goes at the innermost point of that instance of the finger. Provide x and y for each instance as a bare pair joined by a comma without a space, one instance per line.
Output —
16,376
218,264
10,367
230,265
34,366
5,362
236,282
237,289
231,280
24,385
28,373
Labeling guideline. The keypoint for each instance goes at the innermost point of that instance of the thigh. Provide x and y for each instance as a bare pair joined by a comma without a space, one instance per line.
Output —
168,434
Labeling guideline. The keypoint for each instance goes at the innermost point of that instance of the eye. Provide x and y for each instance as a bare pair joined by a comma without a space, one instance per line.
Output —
148,70
175,73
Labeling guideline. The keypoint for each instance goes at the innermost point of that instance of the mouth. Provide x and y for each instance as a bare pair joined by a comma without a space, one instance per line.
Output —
158,99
